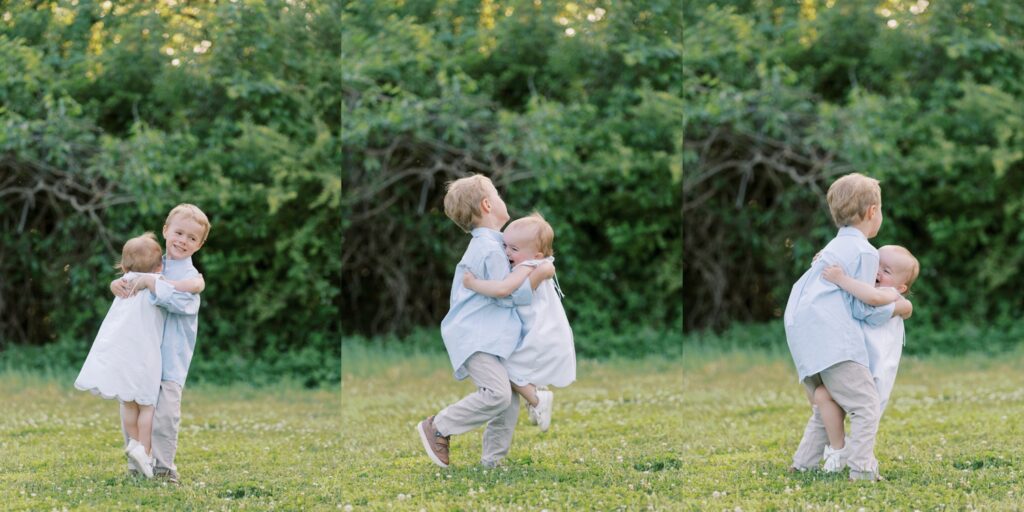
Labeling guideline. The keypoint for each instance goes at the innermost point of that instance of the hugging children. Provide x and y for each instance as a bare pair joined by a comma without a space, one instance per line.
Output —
142,352
483,328
829,331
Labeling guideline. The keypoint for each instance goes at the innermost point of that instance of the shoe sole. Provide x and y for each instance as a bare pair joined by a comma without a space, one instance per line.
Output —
426,446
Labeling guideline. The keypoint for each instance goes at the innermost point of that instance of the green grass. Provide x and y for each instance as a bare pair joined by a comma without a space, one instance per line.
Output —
240,447
951,438
615,442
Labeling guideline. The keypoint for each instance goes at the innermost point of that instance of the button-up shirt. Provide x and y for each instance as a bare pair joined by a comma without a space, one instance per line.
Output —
182,321
824,323
476,322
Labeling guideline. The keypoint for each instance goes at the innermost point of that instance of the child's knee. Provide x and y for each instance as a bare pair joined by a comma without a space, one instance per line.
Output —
497,400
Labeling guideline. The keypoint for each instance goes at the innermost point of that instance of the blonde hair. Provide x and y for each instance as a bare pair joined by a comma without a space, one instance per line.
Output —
542,232
463,197
141,254
915,267
190,211
850,197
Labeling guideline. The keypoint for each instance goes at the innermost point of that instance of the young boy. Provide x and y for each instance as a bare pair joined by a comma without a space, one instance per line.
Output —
480,331
185,231
897,271
825,333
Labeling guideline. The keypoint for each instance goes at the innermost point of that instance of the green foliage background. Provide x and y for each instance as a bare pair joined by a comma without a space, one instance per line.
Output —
572,108
113,112
780,99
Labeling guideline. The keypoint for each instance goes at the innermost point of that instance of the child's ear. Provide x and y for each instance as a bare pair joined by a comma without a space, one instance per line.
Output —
485,206
902,289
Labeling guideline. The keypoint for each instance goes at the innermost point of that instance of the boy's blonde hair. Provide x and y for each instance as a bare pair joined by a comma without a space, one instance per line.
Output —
850,196
462,199
190,211
915,267
542,232
141,254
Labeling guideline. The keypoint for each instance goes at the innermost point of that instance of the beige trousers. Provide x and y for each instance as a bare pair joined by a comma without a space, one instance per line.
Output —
166,420
492,403
852,387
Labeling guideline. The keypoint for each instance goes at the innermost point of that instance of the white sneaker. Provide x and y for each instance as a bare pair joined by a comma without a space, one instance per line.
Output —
137,454
545,402
835,460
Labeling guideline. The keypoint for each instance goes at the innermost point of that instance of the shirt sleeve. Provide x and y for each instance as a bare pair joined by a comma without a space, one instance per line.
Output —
496,269
866,271
175,302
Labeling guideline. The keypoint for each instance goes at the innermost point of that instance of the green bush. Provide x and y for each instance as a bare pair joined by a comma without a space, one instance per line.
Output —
112,113
781,100
572,109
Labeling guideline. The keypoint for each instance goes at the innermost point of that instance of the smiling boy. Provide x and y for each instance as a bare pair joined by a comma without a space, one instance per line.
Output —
185,231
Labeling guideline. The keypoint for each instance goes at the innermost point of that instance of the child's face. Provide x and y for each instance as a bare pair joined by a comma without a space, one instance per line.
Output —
876,220
183,237
894,270
520,245
498,208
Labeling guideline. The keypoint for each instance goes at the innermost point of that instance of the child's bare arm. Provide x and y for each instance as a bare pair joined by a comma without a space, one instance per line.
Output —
543,271
903,308
191,285
862,291
497,289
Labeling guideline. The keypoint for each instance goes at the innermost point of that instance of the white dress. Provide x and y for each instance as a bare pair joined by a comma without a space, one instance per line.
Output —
124,361
545,355
885,346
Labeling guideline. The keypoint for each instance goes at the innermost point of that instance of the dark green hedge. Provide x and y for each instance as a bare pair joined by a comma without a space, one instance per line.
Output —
781,99
112,113
573,109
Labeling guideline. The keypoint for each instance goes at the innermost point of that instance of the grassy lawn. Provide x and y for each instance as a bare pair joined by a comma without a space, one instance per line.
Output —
239,448
952,437
614,443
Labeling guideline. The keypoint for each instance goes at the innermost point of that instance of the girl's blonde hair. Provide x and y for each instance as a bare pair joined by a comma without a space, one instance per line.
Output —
542,232
141,254
190,211
850,196
463,197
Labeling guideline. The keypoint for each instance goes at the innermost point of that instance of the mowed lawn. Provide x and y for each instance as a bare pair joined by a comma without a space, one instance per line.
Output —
614,443
952,437
240,448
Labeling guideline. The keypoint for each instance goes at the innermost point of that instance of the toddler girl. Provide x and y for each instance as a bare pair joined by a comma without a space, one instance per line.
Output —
124,361
546,355
897,271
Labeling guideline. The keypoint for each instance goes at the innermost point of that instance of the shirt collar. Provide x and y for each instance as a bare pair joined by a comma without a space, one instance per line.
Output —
182,263
487,233
851,231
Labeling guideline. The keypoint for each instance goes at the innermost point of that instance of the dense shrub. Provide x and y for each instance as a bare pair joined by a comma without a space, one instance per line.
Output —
573,109
112,113
781,100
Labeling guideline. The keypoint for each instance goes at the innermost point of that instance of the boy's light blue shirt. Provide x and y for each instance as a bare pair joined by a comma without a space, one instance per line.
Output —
476,322
824,323
182,322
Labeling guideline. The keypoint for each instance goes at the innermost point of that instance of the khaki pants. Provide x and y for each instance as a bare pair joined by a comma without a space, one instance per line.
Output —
166,420
852,387
493,403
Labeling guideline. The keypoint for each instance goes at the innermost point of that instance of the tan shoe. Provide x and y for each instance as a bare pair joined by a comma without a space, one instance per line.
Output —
435,444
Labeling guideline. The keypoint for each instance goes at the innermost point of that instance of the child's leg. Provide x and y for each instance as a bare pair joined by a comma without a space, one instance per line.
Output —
831,416
498,434
812,444
852,387
145,427
528,392
130,419
166,420
491,398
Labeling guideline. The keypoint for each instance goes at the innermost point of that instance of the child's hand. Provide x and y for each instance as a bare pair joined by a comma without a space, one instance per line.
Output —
544,271
122,288
468,279
833,273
